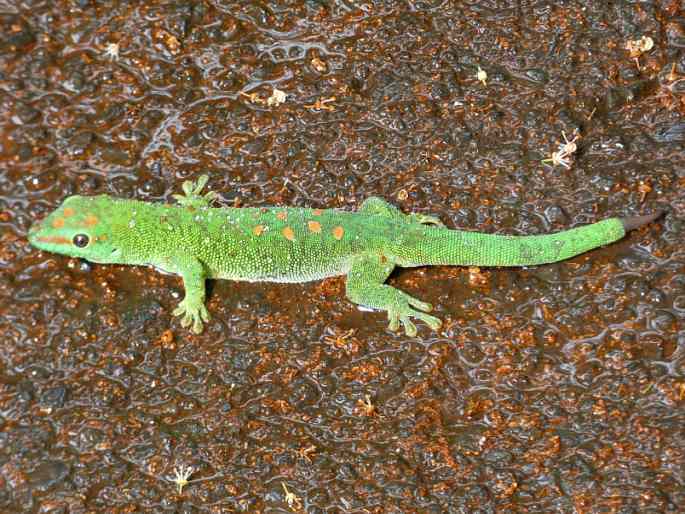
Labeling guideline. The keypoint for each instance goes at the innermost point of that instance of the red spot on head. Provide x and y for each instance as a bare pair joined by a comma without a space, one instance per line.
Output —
58,240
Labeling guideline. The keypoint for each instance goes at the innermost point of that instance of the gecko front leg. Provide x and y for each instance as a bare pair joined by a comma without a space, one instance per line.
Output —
192,308
191,196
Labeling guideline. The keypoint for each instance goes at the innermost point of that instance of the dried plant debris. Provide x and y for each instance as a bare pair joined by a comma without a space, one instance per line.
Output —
563,156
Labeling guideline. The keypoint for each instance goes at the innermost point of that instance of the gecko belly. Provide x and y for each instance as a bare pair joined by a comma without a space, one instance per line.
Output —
284,273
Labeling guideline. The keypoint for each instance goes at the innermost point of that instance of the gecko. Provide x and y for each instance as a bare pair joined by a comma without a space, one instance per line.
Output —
197,241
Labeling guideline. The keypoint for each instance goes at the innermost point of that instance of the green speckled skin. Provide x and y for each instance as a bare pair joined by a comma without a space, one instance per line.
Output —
284,244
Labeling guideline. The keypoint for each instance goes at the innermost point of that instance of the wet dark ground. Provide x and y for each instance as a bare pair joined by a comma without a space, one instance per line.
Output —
559,388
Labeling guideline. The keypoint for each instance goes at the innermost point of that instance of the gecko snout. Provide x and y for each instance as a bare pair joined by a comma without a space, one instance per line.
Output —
34,230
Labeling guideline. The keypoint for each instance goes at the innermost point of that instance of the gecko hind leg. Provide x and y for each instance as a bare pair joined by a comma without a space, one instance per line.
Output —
365,286
376,205
426,219
192,308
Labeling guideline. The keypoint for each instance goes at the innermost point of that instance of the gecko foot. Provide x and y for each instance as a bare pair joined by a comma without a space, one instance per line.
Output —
193,313
402,311
192,196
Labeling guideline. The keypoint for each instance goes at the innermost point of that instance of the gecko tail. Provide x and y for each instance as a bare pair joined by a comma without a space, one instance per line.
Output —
634,222
456,247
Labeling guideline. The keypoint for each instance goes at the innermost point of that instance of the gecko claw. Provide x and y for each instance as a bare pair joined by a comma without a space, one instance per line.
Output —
403,312
409,327
192,314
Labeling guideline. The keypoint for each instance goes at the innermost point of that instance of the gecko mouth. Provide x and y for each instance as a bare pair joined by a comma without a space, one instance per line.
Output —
107,259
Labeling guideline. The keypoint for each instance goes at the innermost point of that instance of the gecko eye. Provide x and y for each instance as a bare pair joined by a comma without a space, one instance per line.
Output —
81,240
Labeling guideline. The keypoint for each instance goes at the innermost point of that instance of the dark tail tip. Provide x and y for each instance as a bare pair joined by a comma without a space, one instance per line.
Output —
637,221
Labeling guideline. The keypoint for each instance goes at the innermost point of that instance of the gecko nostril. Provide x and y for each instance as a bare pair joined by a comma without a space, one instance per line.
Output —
34,229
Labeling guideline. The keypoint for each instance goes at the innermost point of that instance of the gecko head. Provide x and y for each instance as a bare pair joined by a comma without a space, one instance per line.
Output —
80,227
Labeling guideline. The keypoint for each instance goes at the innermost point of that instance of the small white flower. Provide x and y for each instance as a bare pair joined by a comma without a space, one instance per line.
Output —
482,76
639,46
181,475
277,98
112,51
291,499
562,156
558,159
569,147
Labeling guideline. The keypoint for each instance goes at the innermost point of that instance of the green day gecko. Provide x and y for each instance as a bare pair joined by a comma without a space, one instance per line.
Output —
292,244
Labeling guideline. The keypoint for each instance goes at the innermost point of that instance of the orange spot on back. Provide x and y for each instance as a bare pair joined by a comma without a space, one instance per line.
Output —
90,220
338,232
258,230
288,234
317,212
68,211
314,226
282,215
58,223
